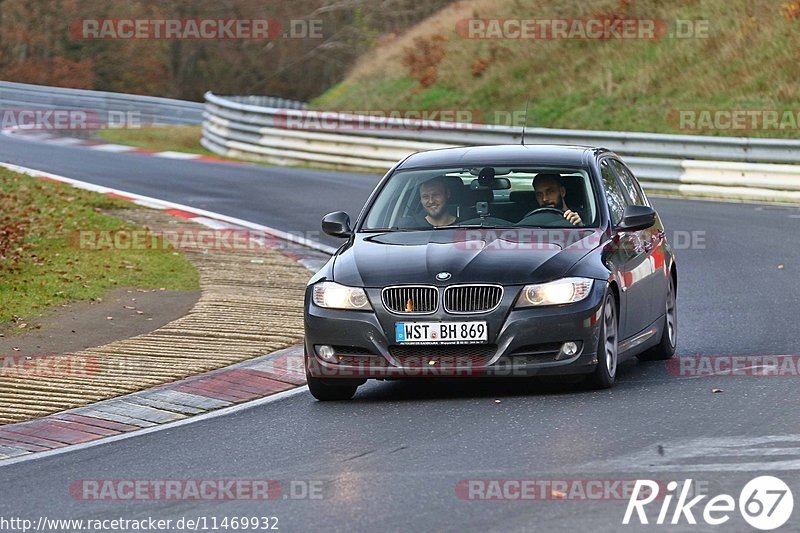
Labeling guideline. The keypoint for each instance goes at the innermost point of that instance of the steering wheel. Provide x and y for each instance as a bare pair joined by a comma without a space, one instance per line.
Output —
554,210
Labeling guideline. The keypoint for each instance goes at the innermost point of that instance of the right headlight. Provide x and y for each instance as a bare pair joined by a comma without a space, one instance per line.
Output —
560,291
334,296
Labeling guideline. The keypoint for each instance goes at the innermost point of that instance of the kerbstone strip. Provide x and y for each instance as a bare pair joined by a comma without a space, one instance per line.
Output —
108,415
150,414
183,409
185,399
251,379
6,452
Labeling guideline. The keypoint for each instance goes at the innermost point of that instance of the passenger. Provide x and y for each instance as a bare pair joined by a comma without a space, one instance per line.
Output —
434,197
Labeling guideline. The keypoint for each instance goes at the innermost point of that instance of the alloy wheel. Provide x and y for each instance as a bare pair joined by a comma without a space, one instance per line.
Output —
610,341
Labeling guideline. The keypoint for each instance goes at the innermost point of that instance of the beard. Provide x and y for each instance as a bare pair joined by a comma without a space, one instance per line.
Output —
557,205
435,212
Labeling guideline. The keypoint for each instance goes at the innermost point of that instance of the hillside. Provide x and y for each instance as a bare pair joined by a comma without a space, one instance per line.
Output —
747,60
304,48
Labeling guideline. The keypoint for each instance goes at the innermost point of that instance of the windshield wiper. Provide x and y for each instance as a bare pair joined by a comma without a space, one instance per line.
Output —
385,230
472,226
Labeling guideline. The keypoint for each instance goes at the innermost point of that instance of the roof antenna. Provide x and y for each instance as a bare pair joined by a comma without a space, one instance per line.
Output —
526,120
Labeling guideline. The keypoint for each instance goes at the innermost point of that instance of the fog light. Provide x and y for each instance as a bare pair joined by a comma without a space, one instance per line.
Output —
327,353
569,349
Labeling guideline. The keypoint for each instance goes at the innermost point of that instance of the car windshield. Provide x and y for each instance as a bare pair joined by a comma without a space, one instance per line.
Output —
530,196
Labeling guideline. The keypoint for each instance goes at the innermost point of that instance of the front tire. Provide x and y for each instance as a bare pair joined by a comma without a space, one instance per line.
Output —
665,348
605,374
323,391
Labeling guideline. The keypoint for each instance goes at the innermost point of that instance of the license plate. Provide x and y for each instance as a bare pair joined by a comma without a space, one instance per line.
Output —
441,332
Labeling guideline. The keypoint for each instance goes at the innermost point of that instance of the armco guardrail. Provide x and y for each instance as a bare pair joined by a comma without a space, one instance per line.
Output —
148,109
723,167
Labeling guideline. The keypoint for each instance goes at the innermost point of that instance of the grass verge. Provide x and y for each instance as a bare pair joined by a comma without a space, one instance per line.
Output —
41,265
159,138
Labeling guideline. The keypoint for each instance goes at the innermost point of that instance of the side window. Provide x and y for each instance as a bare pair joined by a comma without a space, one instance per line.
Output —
613,191
635,194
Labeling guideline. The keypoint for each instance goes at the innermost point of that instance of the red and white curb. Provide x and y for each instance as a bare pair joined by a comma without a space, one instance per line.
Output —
103,146
242,385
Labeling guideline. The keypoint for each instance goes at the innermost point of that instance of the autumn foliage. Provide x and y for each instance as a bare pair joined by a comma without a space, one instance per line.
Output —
12,231
422,59
791,10
38,46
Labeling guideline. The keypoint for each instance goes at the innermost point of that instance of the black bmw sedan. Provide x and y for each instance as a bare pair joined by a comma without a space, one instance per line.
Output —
493,261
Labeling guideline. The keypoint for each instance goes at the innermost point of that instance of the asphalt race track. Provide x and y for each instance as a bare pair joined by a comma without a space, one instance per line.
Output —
392,458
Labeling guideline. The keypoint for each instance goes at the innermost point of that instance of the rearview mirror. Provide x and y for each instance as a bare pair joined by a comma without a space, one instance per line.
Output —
637,217
337,224
495,185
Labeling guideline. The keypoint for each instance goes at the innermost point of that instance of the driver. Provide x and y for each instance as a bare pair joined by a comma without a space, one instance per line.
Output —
434,195
550,193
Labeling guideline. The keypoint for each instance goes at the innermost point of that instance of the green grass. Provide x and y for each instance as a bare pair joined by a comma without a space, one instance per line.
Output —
159,138
41,264
749,60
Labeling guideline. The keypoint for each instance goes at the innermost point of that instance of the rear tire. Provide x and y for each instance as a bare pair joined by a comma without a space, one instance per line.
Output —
605,374
325,392
665,348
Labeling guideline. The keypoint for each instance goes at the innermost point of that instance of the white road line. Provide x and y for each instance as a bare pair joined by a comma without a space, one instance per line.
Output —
169,425
148,203
213,223
66,141
176,155
708,454
112,148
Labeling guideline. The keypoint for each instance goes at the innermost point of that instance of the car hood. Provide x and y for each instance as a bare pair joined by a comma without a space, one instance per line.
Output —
509,257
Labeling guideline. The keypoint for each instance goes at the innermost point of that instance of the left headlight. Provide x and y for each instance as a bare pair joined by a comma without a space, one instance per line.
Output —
334,296
560,291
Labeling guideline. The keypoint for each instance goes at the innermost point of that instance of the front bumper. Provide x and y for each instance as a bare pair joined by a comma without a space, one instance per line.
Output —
522,342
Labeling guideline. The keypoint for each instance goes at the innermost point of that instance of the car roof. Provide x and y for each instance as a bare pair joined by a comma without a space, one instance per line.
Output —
504,154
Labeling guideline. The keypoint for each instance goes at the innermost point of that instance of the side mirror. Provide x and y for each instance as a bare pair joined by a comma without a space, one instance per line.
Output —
337,224
637,217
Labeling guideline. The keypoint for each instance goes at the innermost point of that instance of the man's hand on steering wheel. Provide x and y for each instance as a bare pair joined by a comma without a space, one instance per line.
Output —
573,217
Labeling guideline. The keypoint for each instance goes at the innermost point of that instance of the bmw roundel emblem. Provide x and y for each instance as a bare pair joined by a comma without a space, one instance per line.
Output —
443,276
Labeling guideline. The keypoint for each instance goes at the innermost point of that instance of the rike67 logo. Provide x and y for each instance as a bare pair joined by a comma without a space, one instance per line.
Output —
765,503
